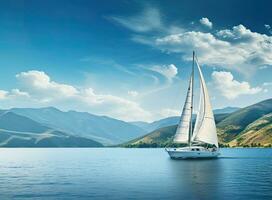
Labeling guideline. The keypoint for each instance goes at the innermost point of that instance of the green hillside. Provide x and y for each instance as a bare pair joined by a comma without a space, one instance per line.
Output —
235,123
159,138
250,126
257,133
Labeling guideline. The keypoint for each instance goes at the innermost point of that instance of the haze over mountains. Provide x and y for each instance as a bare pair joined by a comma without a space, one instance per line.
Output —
249,126
36,123
50,127
102,129
20,131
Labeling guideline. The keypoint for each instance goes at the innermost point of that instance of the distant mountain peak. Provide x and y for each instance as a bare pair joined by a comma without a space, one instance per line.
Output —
103,129
228,109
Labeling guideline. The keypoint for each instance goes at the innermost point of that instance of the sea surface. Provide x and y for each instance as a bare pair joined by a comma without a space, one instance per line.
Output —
120,173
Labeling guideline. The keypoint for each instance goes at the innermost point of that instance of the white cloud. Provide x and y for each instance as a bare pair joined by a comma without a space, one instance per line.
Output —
114,106
238,48
37,89
13,94
168,71
268,27
206,22
39,85
167,112
18,93
148,20
3,94
228,87
133,93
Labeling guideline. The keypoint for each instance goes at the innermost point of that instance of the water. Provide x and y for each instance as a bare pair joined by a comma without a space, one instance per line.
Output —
116,173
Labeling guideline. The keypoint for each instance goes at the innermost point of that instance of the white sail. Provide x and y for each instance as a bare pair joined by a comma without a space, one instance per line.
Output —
182,132
200,114
205,129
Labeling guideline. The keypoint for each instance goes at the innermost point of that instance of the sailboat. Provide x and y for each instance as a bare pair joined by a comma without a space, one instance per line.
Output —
201,141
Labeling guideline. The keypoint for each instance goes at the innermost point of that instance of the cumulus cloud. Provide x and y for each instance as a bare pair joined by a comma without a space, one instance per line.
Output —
149,19
206,22
168,71
18,93
38,89
13,94
238,48
230,88
39,84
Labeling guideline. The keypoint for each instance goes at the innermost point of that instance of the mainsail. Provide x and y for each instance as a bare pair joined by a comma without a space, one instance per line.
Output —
200,113
182,132
205,129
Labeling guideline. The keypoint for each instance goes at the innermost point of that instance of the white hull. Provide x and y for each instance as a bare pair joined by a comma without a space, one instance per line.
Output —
192,152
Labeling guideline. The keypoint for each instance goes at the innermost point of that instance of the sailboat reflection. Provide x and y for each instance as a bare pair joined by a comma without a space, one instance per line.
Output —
197,179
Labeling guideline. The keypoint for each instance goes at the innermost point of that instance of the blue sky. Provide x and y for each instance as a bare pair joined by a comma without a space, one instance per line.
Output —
131,59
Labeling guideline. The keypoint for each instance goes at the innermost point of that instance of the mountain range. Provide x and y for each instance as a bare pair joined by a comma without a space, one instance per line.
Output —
249,126
174,120
102,129
20,131
50,127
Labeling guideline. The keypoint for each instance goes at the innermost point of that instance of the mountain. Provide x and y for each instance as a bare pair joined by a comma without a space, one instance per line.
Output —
256,133
161,123
225,110
169,121
235,123
140,124
20,131
249,126
14,122
161,137
102,129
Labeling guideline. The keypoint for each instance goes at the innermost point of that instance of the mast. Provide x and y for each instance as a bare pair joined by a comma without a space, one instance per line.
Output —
191,122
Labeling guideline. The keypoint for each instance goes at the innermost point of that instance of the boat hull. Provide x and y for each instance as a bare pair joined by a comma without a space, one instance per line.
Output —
191,153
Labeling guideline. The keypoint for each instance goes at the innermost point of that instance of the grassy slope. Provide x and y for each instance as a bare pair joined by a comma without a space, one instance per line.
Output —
235,123
256,133
249,125
160,137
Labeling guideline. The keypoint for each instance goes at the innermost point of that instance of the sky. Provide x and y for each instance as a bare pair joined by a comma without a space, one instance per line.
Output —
131,60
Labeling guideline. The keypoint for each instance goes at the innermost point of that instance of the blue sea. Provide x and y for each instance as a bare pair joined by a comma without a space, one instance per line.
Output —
120,173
